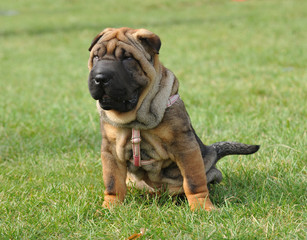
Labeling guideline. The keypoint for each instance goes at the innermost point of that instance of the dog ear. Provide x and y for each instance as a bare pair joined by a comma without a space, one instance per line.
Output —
149,40
95,40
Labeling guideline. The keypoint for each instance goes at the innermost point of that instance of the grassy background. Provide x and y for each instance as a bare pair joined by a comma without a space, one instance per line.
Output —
242,68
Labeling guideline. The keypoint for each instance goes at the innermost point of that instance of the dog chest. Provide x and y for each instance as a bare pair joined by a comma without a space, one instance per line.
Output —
162,170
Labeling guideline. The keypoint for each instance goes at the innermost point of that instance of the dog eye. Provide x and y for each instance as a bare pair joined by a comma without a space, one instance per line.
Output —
95,59
127,58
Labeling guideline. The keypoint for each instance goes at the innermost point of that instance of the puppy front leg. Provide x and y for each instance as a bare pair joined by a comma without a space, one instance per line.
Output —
114,177
193,172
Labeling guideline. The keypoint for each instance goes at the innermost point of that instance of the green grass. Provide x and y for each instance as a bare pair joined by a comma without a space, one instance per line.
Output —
242,69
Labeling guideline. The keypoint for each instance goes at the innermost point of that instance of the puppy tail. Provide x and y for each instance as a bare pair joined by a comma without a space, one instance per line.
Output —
233,148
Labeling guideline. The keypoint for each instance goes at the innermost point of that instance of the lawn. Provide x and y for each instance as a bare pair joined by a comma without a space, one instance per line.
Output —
242,70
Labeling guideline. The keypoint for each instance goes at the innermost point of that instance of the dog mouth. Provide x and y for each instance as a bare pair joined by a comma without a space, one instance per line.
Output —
118,103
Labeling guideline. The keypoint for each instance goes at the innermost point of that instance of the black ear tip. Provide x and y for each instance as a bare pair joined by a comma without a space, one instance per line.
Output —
153,41
95,40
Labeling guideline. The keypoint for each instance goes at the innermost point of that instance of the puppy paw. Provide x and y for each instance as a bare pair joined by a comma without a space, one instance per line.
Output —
110,201
201,204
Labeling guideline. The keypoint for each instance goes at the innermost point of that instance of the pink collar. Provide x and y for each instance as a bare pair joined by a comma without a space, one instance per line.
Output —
136,139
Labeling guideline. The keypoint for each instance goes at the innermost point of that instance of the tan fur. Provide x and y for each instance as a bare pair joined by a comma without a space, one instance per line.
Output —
167,134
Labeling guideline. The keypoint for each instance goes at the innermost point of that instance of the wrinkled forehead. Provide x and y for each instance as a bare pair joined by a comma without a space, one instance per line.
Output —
117,42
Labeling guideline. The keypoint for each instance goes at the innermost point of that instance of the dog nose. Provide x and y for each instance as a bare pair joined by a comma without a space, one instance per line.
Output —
101,78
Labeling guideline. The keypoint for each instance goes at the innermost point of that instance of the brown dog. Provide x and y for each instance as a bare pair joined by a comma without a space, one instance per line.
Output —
148,140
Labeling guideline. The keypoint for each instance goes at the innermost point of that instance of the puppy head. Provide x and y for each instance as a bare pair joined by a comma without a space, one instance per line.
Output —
123,66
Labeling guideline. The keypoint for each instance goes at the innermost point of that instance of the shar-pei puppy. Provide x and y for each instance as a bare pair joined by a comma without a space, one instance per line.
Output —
147,137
